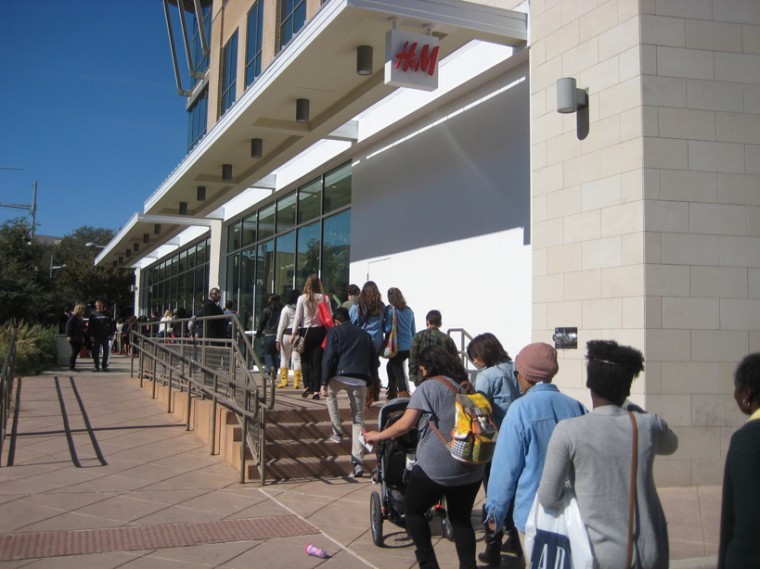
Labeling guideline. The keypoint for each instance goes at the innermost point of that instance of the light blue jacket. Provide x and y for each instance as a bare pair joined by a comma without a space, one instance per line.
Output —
373,325
499,385
405,329
521,450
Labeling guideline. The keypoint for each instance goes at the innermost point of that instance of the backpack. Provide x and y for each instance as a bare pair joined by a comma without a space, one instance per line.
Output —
473,438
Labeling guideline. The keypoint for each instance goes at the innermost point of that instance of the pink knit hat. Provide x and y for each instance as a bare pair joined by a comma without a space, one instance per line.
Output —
537,362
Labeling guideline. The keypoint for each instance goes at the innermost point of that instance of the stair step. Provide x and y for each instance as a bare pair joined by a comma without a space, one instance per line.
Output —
308,467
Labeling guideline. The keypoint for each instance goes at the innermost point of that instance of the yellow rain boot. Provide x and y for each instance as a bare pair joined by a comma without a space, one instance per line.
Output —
283,377
297,375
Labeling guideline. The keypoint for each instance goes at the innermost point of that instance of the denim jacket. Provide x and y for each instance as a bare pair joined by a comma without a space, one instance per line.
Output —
521,450
499,385
405,329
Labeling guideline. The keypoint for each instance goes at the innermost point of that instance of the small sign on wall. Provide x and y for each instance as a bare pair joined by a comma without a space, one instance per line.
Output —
411,60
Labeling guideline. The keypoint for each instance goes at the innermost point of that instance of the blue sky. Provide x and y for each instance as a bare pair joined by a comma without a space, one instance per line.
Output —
88,108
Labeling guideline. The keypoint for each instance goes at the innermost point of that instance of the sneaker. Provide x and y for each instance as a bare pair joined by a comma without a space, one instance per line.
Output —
358,471
316,397
96,369
306,393
337,439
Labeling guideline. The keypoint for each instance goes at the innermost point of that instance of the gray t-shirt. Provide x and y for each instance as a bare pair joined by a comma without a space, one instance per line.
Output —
436,401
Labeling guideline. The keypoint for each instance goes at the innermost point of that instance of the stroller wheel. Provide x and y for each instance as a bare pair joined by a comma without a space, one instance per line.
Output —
446,529
376,519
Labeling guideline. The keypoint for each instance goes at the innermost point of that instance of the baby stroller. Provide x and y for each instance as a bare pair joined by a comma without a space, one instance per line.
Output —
395,458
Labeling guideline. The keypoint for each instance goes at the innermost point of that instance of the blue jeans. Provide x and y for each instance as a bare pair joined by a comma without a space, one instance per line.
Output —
96,345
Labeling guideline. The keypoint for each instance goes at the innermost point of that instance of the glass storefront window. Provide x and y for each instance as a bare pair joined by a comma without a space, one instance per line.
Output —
249,230
285,263
286,213
267,222
233,236
335,255
337,188
310,201
307,258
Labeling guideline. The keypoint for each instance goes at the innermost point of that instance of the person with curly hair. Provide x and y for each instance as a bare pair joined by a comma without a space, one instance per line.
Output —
436,473
405,330
594,452
740,513
310,326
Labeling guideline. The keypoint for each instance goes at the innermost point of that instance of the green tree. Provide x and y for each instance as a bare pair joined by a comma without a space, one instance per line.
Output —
80,280
24,290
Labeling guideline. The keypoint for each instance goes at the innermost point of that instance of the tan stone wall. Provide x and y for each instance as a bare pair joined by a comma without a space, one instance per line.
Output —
701,117
648,230
587,195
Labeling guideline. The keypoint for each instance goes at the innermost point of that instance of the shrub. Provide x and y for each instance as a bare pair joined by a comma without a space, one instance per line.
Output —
35,347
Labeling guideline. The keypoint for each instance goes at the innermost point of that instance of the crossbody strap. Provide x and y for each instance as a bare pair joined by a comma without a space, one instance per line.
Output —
456,391
632,495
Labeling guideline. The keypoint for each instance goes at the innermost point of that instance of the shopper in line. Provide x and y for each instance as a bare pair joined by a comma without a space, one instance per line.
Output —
437,474
289,358
397,311
310,326
740,513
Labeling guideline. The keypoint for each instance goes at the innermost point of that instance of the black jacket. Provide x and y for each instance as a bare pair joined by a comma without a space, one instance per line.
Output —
216,328
349,351
100,325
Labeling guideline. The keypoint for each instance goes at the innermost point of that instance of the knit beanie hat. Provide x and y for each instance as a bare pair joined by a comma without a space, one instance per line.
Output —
537,362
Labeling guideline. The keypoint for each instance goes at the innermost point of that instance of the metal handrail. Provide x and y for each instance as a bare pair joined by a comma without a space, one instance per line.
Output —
225,370
6,387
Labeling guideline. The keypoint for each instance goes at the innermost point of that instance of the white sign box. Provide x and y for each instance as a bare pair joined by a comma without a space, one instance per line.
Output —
411,60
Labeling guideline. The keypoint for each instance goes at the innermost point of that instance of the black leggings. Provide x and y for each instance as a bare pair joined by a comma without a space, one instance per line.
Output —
396,375
311,358
421,495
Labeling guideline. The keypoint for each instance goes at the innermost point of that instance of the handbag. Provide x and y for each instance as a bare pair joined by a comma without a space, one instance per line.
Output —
391,343
558,538
299,344
326,317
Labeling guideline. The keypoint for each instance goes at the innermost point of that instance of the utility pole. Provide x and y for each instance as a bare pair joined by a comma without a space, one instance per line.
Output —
30,208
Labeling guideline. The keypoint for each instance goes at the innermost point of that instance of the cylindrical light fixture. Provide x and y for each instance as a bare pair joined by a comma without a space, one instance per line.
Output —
157,229
146,238
364,60
201,194
136,247
257,148
227,172
183,208
569,97
128,253
302,110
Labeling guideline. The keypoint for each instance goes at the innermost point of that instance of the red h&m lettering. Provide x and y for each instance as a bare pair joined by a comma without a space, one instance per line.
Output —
407,58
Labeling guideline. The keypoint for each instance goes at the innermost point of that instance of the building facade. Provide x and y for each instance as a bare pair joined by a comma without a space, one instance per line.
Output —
636,218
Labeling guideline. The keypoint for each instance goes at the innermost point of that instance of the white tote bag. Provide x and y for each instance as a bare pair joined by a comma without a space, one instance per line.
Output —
557,539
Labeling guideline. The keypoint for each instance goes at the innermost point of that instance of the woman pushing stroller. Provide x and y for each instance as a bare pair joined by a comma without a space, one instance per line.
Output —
436,474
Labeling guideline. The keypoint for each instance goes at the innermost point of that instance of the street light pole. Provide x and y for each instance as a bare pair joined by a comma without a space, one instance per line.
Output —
54,267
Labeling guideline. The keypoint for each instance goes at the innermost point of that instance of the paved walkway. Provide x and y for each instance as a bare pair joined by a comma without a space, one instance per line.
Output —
103,477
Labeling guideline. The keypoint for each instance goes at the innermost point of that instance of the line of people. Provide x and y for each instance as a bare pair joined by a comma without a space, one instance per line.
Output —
545,438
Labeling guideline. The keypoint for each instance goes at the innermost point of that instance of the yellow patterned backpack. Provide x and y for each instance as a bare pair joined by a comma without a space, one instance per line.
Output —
473,438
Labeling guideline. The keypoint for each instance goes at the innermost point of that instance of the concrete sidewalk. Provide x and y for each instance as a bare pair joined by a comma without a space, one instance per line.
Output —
103,477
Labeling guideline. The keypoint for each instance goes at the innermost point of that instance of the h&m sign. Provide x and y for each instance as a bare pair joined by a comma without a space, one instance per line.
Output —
411,60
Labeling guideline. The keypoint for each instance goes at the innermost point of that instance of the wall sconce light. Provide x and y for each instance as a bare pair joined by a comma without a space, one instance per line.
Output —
257,148
183,208
121,259
302,110
146,238
201,194
569,97
157,229
128,253
136,247
227,172
364,60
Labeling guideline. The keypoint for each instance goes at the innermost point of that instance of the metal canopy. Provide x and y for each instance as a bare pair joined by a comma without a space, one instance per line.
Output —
319,64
